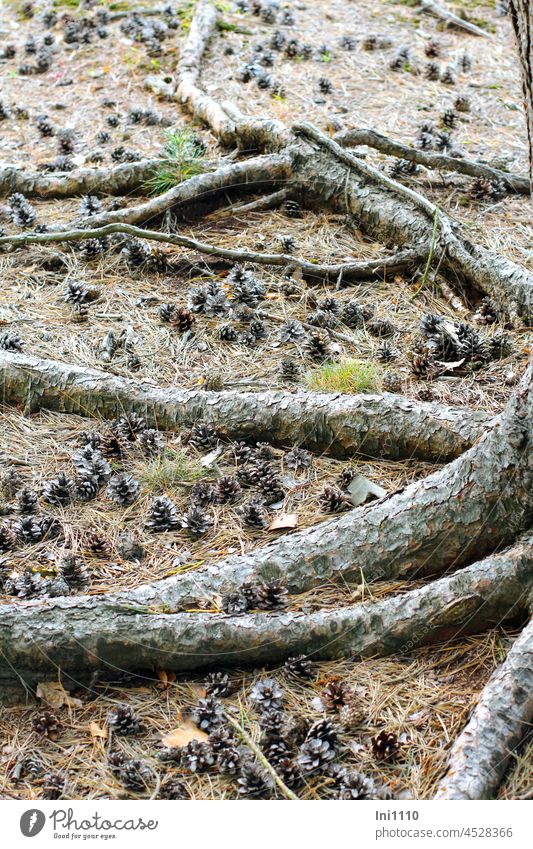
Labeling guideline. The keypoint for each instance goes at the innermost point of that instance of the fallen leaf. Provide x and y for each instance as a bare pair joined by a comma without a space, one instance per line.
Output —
284,520
199,691
166,678
362,489
96,731
54,694
183,734
210,458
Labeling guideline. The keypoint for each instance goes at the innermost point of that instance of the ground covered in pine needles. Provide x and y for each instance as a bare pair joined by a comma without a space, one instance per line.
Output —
115,739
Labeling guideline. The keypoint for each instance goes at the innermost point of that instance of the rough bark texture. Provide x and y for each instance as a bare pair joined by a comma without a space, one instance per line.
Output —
384,425
521,13
385,212
261,173
503,715
80,635
434,161
119,180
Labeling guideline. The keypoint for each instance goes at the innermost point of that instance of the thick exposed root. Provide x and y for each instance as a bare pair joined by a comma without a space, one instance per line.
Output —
257,174
341,425
434,161
392,212
119,180
79,635
502,717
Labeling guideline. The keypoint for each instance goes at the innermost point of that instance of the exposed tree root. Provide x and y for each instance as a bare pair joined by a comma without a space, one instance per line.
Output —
450,18
79,635
341,273
390,211
259,173
502,717
341,425
435,161
119,180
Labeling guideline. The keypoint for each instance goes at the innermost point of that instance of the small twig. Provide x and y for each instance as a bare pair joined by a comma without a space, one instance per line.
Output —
262,759
349,270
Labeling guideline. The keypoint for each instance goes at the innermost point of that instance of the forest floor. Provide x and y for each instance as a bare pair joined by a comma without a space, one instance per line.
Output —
423,696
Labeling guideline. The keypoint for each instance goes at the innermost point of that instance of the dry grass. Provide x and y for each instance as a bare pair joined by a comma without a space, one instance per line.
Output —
425,696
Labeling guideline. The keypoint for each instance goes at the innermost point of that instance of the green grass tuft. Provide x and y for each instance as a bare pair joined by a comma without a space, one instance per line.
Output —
182,158
170,470
347,375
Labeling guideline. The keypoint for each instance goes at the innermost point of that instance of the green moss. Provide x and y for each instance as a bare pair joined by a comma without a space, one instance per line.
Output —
347,375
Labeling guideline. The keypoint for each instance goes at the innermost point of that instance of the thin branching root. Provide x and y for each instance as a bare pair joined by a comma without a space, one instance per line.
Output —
444,551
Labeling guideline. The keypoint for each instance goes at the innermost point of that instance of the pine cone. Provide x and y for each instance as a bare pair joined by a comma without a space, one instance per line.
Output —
73,570
289,370
47,724
8,537
387,353
253,781
196,521
97,542
267,695
113,443
89,463
130,426
173,788
355,785
381,327
87,488
298,459
319,747
11,342
197,757
351,714
151,442
217,684
254,513
221,738
181,319
299,666
202,493
53,786
135,774
291,331
333,500
317,346
335,695
123,720
270,595
27,502
59,491
392,382
203,436
123,489
385,747
163,515
234,603
289,772
90,205
229,760
292,209
208,714
227,489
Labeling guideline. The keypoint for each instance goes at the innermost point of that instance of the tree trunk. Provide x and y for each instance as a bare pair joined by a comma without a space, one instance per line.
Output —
521,12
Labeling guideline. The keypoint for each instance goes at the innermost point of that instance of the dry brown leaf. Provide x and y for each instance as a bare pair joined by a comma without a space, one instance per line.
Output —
166,678
54,694
286,520
96,731
199,691
183,734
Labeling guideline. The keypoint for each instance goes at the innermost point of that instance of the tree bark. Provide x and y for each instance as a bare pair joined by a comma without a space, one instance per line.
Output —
521,13
79,635
434,161
119,180
384,425
503,715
